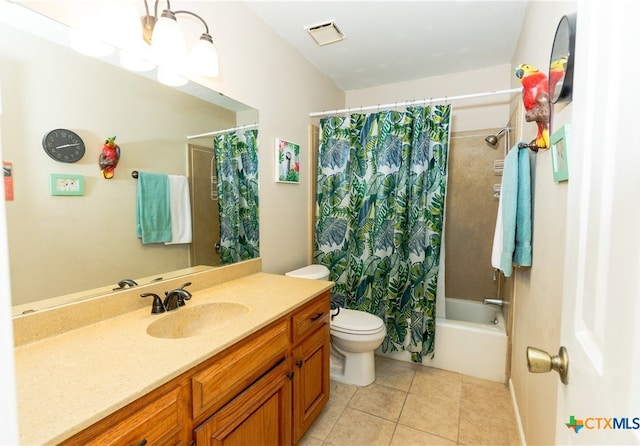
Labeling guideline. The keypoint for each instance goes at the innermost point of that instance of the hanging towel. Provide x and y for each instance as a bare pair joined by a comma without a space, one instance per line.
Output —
153,216
512,237
180,209
496,251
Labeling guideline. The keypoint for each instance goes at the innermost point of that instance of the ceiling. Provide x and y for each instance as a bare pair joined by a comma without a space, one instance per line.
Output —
395,41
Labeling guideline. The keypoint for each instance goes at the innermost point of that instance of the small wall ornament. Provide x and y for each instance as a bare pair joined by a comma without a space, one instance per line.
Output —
109,157
535,96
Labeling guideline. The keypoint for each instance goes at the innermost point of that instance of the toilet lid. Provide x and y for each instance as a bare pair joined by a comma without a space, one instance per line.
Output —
310,272
356,321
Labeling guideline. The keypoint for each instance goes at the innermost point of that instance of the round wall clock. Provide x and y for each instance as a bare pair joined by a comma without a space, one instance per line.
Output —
63,145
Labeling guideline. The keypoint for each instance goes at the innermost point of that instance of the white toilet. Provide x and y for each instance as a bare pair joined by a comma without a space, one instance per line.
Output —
354,337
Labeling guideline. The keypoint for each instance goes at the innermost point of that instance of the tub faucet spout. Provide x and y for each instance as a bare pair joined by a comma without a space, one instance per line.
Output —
491,301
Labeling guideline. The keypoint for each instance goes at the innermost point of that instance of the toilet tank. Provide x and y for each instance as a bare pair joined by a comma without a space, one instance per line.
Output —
316,272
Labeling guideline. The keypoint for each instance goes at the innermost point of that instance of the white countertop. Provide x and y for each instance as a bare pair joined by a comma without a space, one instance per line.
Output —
68,381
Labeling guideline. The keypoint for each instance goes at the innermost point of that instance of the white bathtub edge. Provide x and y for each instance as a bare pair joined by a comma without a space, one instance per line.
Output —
516,411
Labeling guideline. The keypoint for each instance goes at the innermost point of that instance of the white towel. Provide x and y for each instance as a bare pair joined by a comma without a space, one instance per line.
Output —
180,207
496,251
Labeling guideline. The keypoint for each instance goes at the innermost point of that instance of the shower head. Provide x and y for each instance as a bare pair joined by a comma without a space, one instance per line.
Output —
493,139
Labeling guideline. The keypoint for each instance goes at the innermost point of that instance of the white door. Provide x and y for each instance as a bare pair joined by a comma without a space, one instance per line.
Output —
601,307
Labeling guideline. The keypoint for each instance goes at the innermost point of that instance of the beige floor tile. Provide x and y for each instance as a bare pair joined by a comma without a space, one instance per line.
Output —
326,420
308,440
407,436
396,374
487,431
378,400
355,428
428,383
341,393
433,414
440,408
483,382
481,399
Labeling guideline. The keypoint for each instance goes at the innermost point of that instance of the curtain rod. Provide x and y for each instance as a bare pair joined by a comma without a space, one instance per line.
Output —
417,102
220,132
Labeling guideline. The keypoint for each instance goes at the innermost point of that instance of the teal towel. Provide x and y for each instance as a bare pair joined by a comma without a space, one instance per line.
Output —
516,211
153,211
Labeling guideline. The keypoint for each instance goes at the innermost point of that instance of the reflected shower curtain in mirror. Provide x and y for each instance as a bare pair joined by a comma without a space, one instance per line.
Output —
381,190
237,170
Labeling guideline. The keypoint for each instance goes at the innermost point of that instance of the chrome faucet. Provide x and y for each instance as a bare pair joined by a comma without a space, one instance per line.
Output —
172,299
492,301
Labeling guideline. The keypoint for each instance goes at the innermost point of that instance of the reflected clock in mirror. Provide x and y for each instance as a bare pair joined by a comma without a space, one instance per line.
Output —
63,145
561,61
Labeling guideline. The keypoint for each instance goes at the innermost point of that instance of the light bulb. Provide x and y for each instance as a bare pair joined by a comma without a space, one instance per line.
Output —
203,59
168,42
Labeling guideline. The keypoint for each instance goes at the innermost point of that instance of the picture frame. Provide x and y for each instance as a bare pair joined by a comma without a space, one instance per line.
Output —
560,144
66,184
287,162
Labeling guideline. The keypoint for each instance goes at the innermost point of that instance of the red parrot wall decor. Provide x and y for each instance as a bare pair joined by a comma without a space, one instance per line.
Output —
109,157
535,96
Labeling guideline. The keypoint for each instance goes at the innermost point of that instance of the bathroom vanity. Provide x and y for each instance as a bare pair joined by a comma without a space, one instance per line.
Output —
261,373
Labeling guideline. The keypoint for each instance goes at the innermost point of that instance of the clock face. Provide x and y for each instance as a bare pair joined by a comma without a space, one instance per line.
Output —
63,145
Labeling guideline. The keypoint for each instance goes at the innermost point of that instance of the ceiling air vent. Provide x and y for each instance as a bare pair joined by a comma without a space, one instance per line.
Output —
325,33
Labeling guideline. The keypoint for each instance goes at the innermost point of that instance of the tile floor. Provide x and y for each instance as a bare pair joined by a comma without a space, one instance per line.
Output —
411,404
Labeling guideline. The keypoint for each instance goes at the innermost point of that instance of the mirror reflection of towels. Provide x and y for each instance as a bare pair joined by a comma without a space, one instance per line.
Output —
180,209
153,216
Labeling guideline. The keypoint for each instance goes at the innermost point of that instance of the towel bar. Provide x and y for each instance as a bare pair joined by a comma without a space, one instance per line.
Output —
134,174
533,147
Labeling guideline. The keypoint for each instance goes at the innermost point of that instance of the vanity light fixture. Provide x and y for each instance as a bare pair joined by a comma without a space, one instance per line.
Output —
166,39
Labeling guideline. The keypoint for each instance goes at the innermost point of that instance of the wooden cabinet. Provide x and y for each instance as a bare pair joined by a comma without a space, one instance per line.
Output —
258,416
310,357
266,389
237,368
160,417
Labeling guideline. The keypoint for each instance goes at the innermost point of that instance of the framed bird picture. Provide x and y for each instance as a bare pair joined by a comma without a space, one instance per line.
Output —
287,162
559,153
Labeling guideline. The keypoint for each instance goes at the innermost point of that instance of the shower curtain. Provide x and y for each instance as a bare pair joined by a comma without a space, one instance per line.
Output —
381,190
237,170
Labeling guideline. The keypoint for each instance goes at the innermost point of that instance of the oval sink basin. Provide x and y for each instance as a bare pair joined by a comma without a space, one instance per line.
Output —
196,320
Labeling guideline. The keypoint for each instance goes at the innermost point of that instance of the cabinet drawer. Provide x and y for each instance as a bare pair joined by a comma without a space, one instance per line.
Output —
161,420
237,367
310,317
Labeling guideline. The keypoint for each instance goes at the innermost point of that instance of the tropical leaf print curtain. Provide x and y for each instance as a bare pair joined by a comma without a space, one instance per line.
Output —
237,170
381,190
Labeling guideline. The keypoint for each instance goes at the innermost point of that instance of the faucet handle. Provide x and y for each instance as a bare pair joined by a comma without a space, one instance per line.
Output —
184,294
157,306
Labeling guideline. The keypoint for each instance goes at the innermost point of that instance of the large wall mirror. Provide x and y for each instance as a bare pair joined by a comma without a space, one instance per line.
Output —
67,245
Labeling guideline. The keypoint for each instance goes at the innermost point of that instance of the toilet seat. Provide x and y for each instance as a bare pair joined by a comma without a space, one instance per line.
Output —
356,322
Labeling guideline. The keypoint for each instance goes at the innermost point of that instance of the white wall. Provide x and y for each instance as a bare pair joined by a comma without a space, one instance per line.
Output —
538,290
468,114
8,404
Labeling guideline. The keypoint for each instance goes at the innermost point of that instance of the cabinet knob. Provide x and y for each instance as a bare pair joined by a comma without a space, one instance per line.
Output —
290,375
299,363
143,442
317,316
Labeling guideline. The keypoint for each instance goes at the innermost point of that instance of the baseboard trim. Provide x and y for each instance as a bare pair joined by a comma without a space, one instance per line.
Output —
516,411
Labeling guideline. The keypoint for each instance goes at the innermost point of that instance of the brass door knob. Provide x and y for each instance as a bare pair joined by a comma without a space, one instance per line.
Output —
539,361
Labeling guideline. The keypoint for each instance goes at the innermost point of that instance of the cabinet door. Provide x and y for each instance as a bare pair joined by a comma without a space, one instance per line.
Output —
261,415
310,380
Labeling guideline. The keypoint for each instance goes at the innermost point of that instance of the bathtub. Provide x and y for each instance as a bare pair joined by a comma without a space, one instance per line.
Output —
468,341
